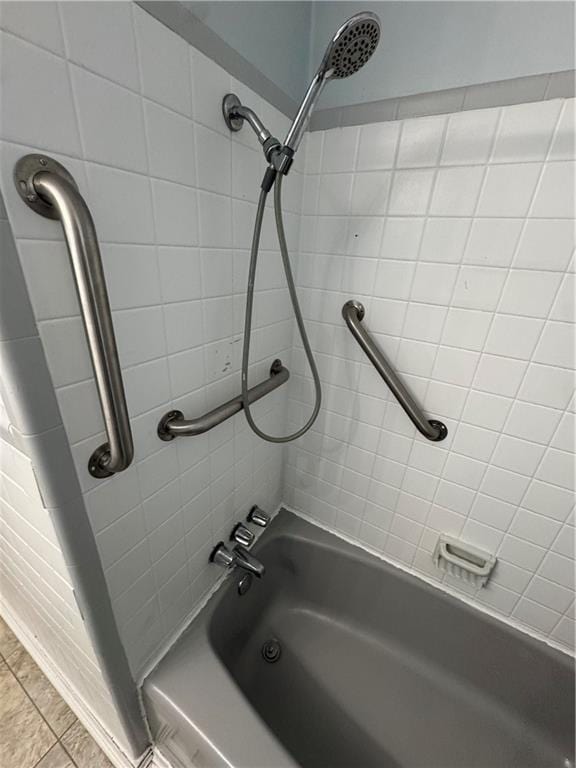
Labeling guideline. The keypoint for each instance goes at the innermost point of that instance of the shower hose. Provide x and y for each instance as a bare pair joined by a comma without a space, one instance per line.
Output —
297,313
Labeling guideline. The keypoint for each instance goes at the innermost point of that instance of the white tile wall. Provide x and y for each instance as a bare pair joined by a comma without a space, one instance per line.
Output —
467,279
36,589
134,113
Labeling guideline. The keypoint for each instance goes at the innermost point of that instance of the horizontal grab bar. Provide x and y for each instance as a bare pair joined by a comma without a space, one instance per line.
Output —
173,424
49,189
353,313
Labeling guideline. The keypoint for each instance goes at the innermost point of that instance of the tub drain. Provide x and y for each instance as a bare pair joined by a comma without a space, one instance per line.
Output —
271,650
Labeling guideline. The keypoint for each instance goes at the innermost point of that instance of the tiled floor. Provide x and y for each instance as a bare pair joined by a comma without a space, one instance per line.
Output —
37,729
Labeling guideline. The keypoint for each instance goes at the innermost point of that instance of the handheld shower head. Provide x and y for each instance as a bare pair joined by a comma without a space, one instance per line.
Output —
350,48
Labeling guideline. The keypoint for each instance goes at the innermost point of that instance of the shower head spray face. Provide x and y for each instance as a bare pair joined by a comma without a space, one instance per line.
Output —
348,51
352,46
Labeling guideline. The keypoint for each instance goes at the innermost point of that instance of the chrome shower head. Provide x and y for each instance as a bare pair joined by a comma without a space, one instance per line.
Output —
352,46
348,51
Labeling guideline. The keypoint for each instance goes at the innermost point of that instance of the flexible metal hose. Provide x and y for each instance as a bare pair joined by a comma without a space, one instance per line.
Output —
295,305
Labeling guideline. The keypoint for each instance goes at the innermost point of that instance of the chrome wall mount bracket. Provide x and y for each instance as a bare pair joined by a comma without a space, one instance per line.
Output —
229,103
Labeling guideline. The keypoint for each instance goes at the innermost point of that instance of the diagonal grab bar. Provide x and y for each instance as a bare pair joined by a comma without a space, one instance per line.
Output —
48,188
353,312
173,424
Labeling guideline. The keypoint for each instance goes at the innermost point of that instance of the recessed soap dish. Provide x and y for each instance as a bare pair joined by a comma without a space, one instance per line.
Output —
463,560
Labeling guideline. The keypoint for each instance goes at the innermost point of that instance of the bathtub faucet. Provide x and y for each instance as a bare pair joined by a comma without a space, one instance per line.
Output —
238,558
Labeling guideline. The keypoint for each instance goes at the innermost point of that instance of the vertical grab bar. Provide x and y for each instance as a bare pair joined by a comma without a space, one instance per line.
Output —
353,313
49,189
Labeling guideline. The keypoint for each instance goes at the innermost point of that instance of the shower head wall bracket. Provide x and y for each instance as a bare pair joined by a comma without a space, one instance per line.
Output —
235,114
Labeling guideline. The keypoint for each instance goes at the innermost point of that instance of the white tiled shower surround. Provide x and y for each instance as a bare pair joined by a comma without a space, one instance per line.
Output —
458,243
457,234
134,113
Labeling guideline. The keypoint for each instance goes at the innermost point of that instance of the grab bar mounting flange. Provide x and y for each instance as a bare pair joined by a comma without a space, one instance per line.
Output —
25,172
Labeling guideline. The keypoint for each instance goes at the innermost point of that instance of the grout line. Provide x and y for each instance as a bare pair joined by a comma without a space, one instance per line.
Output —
509,268
29,697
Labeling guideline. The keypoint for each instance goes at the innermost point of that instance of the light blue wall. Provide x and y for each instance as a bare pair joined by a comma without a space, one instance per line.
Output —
425,45
272,35
431,46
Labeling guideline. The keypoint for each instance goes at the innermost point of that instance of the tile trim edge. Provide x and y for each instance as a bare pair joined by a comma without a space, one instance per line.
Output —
501,93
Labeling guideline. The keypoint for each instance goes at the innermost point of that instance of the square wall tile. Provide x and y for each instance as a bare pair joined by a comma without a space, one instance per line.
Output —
499,375
214,160
547,385
180,273
420,142
479,287
556,345
456,191
508,189
555,194
517,455
529,293
401,239
164,63
339,150
433,283
546,243
370,195
170,144
469,137
175,212
492,242
532,422
377,147
215,220
41,27
534,528
120,204
111,121
466,328
513,336
563,146
526,131
37,106
410,192
444,240
101,38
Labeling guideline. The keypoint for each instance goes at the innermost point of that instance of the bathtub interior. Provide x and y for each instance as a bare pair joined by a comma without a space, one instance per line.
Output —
371,656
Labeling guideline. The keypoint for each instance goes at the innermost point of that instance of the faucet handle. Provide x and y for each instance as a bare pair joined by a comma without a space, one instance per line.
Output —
258,516
221,555
242,535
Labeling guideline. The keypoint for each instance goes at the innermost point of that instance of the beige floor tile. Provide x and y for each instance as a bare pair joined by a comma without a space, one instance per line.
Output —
8,640
54,710
83,749
24,736
56,758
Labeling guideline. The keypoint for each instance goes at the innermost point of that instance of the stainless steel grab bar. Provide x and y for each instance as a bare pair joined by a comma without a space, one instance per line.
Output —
353,313
49,189
173,424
